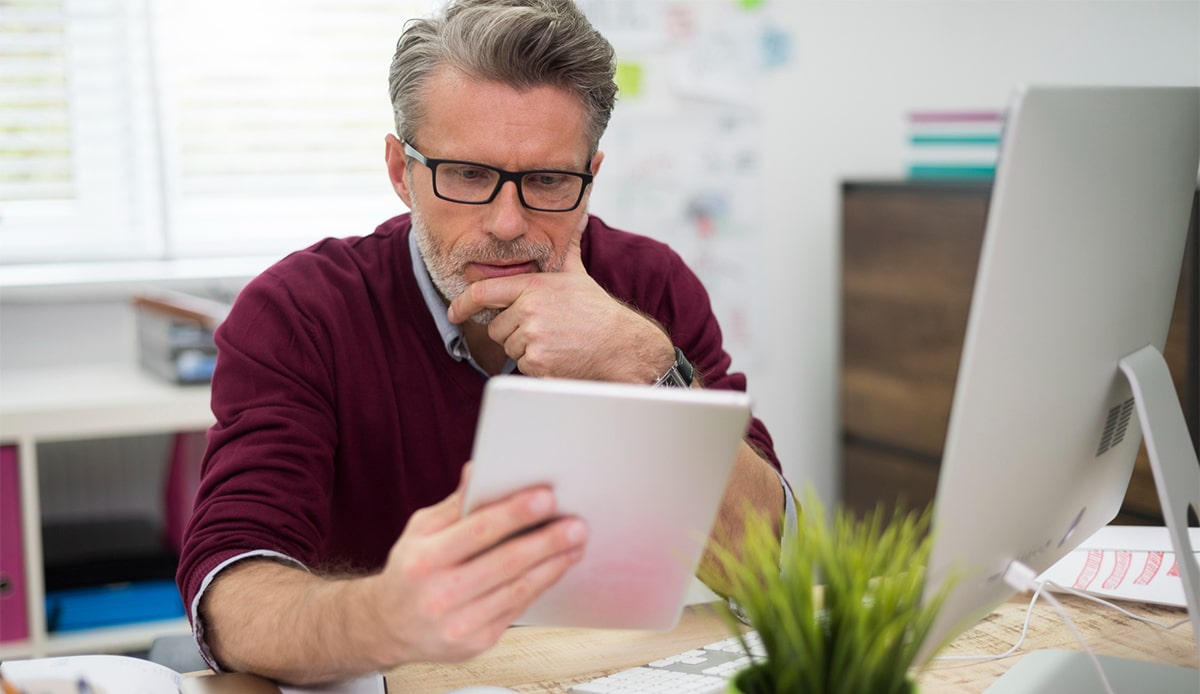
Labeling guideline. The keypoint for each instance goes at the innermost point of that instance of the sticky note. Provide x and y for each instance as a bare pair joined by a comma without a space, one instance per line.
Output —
629,79
776,47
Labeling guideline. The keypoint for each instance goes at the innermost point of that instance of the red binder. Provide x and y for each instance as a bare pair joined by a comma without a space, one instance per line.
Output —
183,479
14,615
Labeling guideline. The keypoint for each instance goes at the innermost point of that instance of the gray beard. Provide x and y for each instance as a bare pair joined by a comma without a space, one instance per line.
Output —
446,266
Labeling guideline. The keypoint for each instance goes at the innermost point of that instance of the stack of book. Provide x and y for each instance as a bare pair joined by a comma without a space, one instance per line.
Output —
953,145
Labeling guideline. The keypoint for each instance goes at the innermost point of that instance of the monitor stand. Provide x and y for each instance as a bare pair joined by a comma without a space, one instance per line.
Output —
1054,671
1173,461
1177,478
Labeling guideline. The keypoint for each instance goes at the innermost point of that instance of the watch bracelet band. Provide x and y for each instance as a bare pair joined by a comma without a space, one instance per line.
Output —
680,375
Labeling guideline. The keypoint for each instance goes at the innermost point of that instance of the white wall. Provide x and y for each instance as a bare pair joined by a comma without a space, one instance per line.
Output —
838,111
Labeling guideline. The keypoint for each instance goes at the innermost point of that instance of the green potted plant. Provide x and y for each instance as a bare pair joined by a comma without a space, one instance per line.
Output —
838,606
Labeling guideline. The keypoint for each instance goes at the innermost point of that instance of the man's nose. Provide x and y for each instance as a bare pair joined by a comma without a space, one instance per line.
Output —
508,215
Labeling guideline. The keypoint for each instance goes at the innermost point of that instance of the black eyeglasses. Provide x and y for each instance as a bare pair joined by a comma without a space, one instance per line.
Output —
544,190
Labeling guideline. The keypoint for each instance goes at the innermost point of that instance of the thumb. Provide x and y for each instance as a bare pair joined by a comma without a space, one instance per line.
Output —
459,496
574,259
444,513
465,477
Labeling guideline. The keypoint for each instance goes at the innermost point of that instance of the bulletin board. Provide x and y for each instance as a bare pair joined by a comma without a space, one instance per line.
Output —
682,153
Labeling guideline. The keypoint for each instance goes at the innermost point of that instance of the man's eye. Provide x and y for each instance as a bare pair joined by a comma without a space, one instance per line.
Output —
546,180
470,173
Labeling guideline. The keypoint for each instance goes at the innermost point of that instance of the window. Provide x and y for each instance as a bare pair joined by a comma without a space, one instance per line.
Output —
76,149
149,129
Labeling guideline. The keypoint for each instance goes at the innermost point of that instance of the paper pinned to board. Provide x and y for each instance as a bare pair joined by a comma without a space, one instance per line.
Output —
1125,562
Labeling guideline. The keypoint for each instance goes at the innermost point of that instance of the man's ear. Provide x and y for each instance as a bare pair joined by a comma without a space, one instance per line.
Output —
594,168
596,161
397,166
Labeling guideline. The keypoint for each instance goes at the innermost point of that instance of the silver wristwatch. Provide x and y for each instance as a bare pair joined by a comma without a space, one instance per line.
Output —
679,375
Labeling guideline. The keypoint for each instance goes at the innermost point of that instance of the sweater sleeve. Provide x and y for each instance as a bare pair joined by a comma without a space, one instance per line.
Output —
269,461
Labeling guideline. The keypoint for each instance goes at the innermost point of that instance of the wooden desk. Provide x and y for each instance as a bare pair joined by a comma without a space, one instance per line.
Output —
540,659
1107,632
545,659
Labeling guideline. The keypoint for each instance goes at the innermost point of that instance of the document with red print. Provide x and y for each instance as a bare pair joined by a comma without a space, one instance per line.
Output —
1125,562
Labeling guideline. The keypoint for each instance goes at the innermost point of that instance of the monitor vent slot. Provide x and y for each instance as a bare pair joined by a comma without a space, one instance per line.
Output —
1115,426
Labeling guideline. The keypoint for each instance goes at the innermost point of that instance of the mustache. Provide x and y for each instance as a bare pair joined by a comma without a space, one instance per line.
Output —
497,251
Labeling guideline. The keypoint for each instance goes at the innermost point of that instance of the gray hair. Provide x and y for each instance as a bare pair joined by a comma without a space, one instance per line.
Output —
521,43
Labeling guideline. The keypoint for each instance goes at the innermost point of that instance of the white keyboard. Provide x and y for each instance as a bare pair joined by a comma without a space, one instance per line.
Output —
699,671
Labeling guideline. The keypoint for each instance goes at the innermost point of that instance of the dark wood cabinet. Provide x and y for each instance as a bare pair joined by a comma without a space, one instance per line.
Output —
909,257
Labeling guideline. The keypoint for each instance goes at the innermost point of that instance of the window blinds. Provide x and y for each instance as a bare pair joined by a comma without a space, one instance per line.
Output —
292,150
180,128
76,149
33,92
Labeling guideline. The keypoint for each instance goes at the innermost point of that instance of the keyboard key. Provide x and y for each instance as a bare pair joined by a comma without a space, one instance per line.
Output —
698,671
642,680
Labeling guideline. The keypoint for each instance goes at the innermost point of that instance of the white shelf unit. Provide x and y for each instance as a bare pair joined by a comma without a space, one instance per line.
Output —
77,403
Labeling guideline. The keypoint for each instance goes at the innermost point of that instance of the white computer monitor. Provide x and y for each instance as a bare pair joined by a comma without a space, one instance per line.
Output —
1079,269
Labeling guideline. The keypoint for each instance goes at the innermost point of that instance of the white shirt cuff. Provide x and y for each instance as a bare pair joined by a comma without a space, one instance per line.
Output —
198,624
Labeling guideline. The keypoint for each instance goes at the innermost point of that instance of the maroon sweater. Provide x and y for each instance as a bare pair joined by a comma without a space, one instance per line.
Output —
340,413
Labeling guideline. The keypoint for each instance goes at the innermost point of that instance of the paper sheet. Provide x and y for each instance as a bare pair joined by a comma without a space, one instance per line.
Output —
106,674
1122,562
119,674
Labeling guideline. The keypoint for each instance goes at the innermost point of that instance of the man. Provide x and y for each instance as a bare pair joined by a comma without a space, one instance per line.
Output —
327,538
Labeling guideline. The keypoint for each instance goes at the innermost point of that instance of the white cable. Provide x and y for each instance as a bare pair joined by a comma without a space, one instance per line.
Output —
1082,642
1041,587
1020,639
1023,578
1118,608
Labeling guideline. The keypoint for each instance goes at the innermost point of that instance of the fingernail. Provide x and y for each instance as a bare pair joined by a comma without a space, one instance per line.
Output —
576,531
541,503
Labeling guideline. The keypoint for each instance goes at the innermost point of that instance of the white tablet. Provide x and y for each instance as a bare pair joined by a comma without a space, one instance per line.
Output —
644,467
